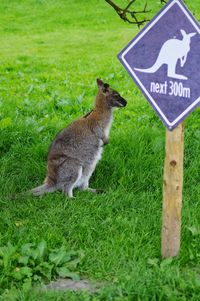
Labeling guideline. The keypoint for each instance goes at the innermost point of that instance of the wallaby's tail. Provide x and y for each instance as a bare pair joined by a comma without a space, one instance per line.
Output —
152,69
45,188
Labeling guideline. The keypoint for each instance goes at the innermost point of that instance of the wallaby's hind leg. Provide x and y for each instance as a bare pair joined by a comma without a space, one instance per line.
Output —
83,183
69,175
68,190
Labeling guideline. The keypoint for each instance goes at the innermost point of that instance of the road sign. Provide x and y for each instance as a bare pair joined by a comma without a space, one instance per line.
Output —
164,61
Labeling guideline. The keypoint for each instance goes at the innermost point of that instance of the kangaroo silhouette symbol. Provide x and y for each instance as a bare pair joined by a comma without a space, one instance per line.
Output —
172,51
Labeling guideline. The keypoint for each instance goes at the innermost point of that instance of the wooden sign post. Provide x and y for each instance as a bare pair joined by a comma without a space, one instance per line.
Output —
172,191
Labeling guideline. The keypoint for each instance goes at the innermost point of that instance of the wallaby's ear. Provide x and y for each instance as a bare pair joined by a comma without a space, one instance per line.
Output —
183,33
192,34
102,86
99,82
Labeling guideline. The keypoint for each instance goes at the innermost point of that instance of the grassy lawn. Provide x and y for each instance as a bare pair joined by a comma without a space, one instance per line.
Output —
51,53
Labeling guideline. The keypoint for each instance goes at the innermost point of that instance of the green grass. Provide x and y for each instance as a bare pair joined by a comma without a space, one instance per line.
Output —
51,53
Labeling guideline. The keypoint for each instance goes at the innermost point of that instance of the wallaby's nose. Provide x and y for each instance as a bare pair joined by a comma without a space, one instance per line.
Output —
123,102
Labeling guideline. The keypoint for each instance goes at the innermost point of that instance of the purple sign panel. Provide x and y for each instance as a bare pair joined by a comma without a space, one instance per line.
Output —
164,61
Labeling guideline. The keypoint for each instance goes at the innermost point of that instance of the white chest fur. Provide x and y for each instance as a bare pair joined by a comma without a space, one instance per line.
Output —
97,156
99,153
107,128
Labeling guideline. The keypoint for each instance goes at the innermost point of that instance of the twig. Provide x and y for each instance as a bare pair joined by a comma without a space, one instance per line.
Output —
128,15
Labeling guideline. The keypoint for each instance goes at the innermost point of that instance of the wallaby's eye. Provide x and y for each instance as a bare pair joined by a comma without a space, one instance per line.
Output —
116,95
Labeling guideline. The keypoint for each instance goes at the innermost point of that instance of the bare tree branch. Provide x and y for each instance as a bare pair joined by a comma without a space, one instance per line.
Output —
130,16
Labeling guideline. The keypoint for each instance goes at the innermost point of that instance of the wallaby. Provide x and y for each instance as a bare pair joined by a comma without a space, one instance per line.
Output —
75,151
171,51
